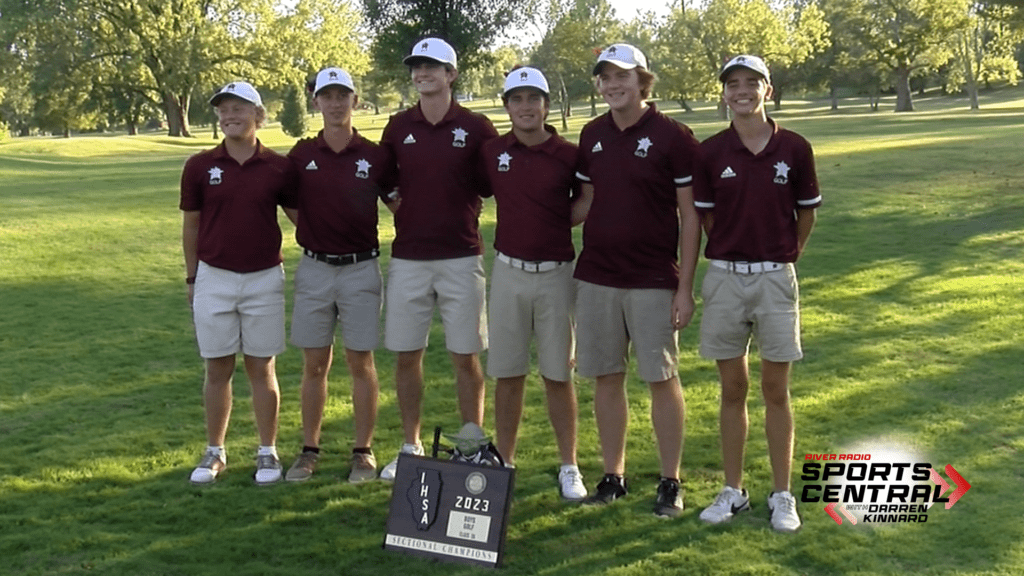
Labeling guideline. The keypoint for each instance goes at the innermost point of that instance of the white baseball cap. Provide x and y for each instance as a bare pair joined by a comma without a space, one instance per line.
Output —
333,77
432,49
526,77
242,90
746,61
625,56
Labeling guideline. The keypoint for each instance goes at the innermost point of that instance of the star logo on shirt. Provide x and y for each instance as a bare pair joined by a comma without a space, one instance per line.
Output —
642,145
597,148
362,168
460,138
781,172
503,162
215,175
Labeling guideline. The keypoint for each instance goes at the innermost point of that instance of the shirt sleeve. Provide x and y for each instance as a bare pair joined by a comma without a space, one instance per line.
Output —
684,154
703,193
191,191
582,160
807,193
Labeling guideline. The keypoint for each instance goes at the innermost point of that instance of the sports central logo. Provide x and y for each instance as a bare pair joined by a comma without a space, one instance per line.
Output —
873,492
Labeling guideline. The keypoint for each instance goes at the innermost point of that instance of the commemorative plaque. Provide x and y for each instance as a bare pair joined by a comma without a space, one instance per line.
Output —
448,510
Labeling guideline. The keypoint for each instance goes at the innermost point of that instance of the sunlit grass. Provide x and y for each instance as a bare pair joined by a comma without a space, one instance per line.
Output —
912,315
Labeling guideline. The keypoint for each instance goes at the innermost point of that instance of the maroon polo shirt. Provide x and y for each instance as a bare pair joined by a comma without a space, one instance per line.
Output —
440,181
337,194
533,187
631,235
753,198
238,228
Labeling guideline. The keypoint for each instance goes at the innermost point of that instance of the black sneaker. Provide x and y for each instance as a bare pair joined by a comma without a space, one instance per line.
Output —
609,489
669,503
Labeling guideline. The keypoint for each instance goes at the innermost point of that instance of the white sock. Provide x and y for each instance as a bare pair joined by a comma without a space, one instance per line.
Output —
267,450
219,451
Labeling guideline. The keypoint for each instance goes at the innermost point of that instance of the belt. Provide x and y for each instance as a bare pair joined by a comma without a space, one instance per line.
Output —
748,267
342,259
530,265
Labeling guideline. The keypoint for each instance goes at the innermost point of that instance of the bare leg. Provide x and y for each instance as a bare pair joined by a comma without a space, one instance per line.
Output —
564,415
733,420
365,390
409,387
469,383
668,416
778,420
217,398
612,415
266,397
508,411
315,367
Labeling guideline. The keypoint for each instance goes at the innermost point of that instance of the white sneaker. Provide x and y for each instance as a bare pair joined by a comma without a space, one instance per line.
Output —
388,472
728,503
268,469
571,482
208,469
783,510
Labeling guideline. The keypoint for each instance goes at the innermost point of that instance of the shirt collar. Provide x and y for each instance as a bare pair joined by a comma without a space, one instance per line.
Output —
221,152
548,146
354,142
737,143
453,109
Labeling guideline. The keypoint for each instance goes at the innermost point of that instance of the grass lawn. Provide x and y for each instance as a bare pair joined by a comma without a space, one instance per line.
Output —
912,314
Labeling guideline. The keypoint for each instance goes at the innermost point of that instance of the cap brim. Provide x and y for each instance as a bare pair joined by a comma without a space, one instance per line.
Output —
616,63
218,97
722,76
416,59
338,84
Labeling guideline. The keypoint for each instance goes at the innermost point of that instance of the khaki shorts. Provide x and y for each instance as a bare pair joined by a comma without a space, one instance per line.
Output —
608,319
458,288
522,304
326,295
736,306
235,312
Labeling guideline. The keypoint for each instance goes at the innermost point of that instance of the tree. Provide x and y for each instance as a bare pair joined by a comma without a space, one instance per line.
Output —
983,51
293,117
902,36
568,51
699,41
470,26
489,79
171,47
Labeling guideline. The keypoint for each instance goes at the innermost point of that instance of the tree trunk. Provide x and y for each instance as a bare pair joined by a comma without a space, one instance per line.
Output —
777,98
972,80
593,105
904,99
723,110
833,94
133,128
685,105
176,109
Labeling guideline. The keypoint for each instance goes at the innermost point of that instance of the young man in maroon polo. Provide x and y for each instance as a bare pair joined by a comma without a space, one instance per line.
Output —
757,192
232,246
532,174
436,258
638,164
338,280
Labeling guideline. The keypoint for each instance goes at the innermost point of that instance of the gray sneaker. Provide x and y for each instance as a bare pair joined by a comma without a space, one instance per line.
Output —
303,468
208,468
364,468
268,470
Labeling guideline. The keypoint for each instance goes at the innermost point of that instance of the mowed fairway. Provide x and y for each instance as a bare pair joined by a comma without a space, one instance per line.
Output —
913,307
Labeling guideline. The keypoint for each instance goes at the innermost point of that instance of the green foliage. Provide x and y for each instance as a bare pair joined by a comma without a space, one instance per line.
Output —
900,37
130,54
699,41
569,49
294,117
470,26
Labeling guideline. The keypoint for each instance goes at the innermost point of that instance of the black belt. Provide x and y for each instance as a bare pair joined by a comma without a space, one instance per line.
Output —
342,259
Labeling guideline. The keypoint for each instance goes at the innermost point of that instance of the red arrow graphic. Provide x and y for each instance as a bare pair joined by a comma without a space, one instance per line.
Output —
962,486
